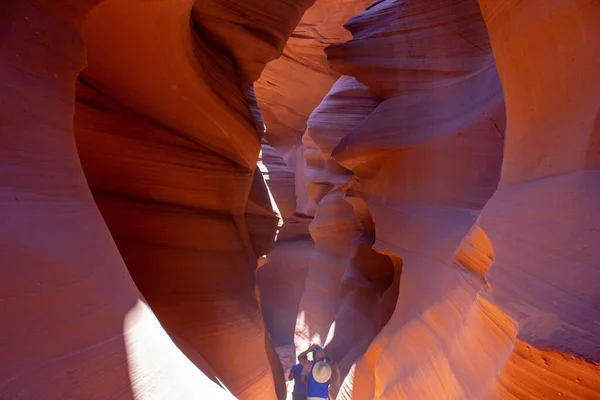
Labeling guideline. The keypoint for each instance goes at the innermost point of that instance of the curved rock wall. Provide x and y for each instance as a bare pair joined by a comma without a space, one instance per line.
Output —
442,244
336,287
193,218
288,91
475,316
169,146
544,204
73,323
542,222
426,159
292,86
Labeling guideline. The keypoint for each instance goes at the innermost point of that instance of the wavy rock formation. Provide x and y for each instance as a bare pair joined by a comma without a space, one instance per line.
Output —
436,216
288,91
347,281
292,86
169,146
192,231
74,324
542,221
428,160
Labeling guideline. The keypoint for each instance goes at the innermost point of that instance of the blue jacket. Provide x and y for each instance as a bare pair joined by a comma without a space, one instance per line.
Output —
299,386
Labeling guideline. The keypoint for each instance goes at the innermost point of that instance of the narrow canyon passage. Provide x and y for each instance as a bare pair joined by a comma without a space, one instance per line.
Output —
192,192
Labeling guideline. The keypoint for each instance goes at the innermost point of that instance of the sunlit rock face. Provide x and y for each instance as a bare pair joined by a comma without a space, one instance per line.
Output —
476,315
288,91
191,214
350,288
292,86
543,220
74,326
429,174
465,215
166,131
425,161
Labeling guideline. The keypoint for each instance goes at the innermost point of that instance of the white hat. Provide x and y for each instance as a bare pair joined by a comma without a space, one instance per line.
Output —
321,372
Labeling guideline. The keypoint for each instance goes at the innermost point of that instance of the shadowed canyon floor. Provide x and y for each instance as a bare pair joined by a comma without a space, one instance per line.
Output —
192,191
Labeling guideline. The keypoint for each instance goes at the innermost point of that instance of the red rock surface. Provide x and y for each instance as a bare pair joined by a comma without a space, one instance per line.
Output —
73,323
169,147
341,305
428,161
430,176
292,86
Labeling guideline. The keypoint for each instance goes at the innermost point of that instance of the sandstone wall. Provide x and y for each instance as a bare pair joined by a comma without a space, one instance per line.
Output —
430,176
166,128
495,297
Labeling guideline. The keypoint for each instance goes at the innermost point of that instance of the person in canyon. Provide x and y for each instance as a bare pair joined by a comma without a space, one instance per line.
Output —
321,374
296,373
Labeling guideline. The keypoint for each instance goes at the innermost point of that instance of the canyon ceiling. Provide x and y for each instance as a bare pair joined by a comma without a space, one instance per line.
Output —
191,192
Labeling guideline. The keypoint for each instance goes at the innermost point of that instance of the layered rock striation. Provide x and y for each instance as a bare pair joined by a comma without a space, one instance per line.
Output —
485,307
428,171
166,129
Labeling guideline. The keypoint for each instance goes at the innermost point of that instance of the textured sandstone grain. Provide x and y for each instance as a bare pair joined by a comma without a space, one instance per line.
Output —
169,145
431,176
73,323
428,160
341,306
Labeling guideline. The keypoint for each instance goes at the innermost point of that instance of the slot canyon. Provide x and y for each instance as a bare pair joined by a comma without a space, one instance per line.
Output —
193,191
